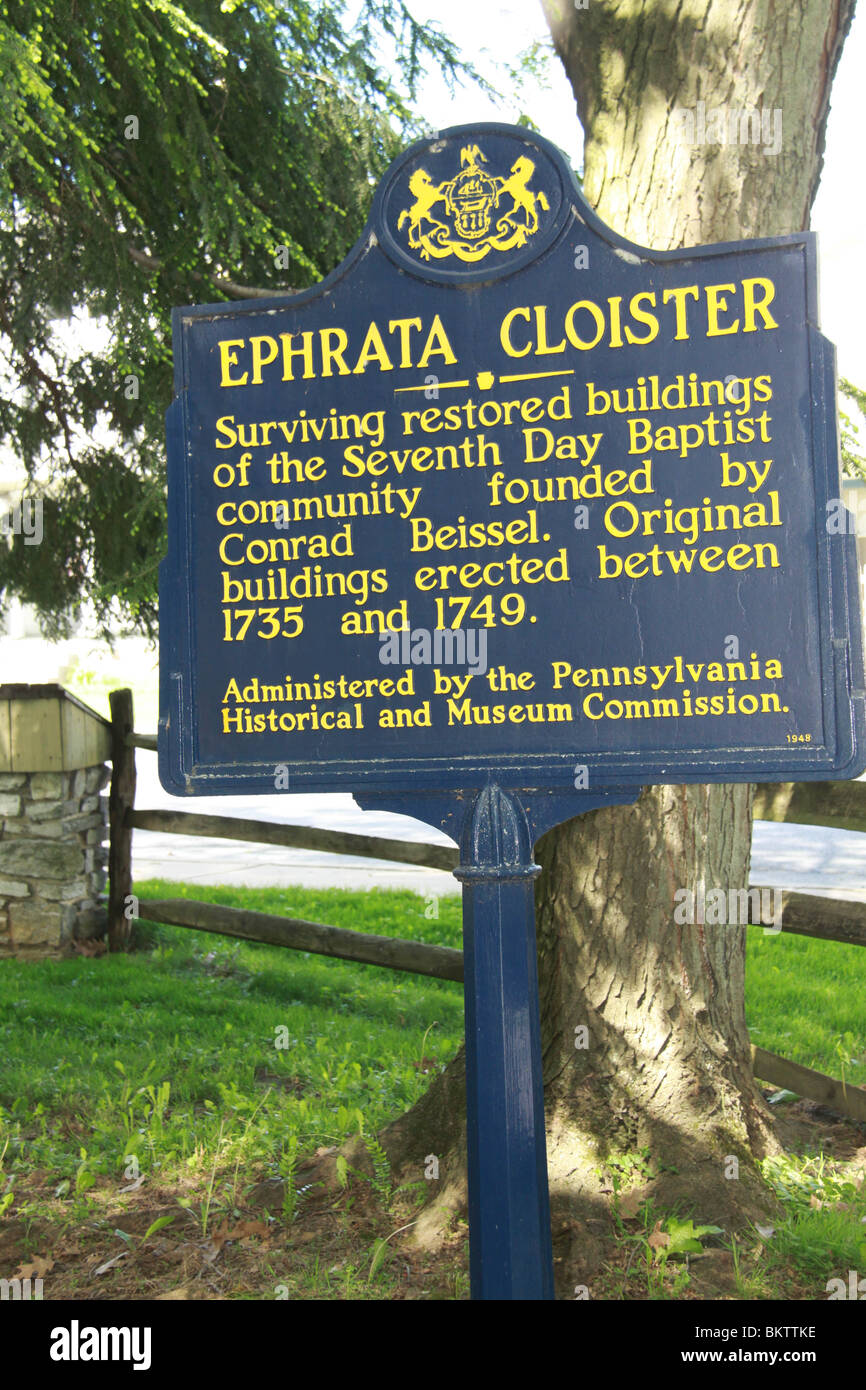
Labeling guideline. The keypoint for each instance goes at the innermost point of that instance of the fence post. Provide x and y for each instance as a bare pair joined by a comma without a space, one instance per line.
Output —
120,803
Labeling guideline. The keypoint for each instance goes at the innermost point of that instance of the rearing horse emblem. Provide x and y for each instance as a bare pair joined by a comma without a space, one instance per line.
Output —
473,213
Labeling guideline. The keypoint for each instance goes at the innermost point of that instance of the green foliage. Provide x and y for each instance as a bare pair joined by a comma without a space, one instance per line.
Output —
380,1250
170,1055
804,1000
822,1234
166,1056
853,452
158,1225
381,1168
159,154
684,1238
801,1182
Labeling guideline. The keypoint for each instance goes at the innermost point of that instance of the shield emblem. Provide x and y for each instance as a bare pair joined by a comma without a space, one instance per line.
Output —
473,196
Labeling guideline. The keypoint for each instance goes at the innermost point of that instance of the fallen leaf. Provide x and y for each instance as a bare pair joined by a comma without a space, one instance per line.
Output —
658,1238
37,1267
631,1203
109,1264
89,948
212,1247
245,1229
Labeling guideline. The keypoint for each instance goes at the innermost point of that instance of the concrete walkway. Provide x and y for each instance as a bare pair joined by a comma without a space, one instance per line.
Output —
202,860
807,859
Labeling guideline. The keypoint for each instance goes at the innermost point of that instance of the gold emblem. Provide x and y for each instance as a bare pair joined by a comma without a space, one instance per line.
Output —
473,213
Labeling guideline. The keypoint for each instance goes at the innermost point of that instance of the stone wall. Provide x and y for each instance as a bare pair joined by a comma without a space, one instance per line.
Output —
53,826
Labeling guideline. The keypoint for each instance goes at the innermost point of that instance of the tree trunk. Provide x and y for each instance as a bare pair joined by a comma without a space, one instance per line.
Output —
662,1087
635,64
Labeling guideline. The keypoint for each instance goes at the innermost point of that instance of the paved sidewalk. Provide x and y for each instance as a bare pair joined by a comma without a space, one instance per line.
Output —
808,859
202,860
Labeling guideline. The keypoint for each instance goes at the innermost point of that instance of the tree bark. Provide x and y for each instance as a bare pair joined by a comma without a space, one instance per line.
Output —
634,64
664,1083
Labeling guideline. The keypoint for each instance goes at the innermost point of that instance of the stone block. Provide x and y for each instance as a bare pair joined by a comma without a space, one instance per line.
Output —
73,825
97,777
48,786
11,781
40,952
91,921
44,830
97,881
32,858
35,924
58,890
51,810
9,805
12,888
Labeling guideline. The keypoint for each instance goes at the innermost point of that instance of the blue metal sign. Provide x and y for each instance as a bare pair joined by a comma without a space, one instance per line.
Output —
505,519
507,495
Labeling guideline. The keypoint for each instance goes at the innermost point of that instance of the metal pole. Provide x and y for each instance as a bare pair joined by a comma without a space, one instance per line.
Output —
510,1253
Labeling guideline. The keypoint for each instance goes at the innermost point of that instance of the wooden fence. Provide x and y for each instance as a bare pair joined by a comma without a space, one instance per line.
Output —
837,804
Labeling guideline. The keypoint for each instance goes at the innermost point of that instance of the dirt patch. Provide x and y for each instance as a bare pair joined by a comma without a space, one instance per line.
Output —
144,1245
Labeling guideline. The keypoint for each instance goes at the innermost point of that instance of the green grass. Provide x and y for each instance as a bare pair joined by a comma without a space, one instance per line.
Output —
157,1054
806,1000
207,1064
822,1234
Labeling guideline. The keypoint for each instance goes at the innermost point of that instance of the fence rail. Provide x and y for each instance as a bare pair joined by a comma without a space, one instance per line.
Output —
440,962
803,1081
841,805
421,854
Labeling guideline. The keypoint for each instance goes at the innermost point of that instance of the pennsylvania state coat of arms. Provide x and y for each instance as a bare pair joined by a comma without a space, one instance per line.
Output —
473,213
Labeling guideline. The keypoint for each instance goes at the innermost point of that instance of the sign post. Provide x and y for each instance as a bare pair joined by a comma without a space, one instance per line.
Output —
504,520
510,1252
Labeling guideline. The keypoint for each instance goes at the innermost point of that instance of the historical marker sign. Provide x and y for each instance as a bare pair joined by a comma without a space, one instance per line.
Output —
507,495
503,520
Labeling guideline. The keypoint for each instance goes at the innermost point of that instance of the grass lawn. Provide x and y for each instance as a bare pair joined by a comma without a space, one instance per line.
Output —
806,1000
144,1097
